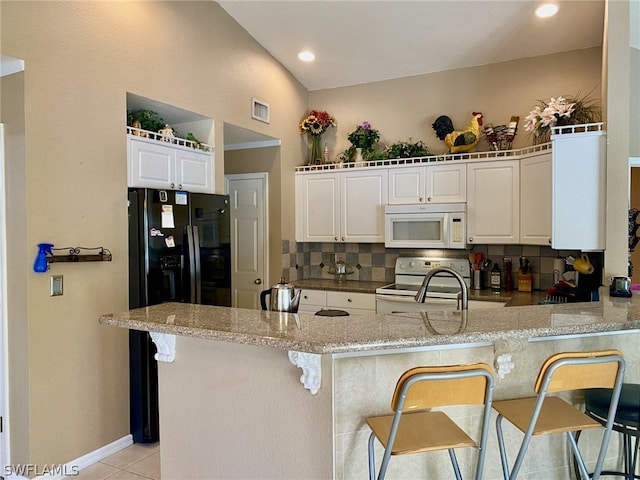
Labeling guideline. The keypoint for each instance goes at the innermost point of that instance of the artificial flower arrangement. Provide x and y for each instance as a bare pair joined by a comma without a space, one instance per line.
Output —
314,125
558,112
407,150
364,137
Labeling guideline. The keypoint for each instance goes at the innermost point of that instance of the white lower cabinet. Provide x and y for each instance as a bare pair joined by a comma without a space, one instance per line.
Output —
154,164
493,202
312,301
341,206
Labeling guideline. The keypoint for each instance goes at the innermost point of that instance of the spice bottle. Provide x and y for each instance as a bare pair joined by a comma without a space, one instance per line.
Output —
325,153
496,277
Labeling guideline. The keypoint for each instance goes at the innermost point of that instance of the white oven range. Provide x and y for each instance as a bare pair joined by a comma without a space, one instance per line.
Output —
443,293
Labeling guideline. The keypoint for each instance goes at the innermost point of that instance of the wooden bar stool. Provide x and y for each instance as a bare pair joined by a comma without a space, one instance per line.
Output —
412,429
626,422
545,414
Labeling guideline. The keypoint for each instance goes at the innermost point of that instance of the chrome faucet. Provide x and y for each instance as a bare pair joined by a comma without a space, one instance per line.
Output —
421,296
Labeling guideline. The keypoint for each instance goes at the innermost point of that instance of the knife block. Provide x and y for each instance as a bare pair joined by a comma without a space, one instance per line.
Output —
524,282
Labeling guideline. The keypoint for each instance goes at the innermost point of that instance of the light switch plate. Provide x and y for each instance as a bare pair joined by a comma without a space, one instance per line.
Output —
56,285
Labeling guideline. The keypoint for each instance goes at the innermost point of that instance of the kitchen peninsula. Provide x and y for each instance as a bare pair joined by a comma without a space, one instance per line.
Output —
232,404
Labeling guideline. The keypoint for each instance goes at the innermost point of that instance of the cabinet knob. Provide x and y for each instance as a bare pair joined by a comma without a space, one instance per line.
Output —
258,281
173,185
343,239
428,199
335,238
305,297
179,186
471,239
421,199
349,300
549,241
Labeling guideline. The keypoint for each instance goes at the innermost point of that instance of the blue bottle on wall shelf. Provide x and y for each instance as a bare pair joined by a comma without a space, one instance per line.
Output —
41,265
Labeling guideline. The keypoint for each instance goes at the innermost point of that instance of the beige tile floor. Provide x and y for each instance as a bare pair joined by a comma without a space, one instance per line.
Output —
137,462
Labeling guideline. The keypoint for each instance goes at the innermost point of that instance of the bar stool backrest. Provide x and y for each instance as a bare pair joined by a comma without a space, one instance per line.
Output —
578,370
447,385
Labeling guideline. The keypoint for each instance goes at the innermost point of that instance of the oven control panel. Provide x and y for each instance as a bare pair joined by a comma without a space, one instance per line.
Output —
421,265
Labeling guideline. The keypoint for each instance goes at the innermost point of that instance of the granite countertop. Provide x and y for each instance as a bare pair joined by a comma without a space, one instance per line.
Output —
355,333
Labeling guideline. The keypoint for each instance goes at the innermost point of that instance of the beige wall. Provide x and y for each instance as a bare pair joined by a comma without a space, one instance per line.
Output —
634,122
617,83
80,60
12,114
407,107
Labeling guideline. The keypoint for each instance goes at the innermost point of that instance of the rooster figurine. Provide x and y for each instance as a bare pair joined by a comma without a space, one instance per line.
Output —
458,141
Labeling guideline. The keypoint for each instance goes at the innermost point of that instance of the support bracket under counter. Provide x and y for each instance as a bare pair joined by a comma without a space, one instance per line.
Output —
310,363
166,346
503,352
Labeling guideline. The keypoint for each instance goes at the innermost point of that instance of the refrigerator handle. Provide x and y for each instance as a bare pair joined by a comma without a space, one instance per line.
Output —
198,271
192,265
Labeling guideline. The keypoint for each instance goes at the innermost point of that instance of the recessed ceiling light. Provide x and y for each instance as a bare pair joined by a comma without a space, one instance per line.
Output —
306,56
547,10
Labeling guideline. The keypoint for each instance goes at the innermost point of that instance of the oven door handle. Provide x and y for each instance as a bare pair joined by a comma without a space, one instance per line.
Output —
411,299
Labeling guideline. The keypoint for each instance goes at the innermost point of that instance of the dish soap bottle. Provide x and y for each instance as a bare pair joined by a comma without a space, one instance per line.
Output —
496,277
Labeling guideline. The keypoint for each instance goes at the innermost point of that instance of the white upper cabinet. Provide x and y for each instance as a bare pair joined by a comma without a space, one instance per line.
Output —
341,206
536,196
535,199
318,207
428,184
579,191
364,195
155,164
493,202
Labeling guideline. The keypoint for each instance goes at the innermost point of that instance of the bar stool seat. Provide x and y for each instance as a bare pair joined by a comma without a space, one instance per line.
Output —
547,413
626,421
414,427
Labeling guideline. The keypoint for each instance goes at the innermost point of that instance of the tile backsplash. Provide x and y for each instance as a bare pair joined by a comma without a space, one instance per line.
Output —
374,262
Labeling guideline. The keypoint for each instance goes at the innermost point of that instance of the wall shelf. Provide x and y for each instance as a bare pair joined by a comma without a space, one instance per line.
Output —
75,254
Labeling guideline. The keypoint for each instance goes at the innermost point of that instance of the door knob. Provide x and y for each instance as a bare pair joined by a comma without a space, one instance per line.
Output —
258,281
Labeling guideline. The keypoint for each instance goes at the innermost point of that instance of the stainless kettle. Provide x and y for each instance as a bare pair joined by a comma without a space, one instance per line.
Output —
283,298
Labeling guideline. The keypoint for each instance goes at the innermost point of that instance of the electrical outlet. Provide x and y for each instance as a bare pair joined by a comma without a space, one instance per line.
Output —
56,285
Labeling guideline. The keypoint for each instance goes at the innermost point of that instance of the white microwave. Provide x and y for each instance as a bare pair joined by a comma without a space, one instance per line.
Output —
425,226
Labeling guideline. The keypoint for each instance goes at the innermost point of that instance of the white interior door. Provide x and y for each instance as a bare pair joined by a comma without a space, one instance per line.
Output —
249,258
4,360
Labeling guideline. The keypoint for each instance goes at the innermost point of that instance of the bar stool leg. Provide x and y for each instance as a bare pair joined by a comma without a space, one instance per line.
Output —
372,461
454,462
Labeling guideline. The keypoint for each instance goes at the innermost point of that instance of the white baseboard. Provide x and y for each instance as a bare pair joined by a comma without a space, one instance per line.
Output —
71,468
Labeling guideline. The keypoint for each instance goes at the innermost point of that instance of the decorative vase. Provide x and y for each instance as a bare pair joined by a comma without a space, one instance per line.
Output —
358,158
315,152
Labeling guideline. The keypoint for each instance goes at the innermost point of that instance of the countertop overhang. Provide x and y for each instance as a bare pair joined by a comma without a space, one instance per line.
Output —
308,333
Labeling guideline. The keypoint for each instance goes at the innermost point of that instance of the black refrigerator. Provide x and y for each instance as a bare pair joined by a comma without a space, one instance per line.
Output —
179,251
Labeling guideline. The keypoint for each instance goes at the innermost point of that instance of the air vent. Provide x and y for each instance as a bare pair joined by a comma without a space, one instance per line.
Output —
260,110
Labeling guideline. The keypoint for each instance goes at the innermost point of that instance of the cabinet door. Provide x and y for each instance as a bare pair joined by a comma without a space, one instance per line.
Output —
361,302
151,164
579,191
312,300
363,196
446,183
535,200
493,202
406,185
194,171
320,200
